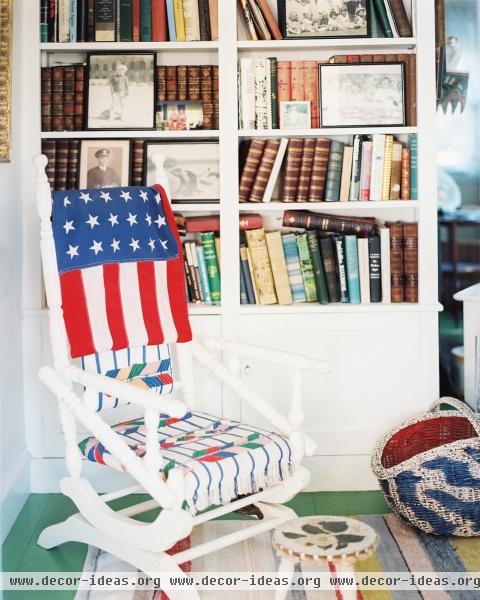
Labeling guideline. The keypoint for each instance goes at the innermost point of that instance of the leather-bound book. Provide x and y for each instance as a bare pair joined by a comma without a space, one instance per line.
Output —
49,149
303,219
46,96
396,262
410,261
61,165
374,267
136,171
400,16
136,20
319,169
57,98
213,9
206,95
80,77
250,168
216,98
73,164
311,90
405,193
161,83
193,79
396,177
305,169
104,20
68,97
182,86
159,21
171,82
262,271
204,18
334,172
328,253
292,170
264,170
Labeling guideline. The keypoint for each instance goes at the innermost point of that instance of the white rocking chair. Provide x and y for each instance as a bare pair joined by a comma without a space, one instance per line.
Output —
184,460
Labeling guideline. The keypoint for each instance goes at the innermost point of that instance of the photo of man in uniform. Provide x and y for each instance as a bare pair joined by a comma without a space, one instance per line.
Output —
102,175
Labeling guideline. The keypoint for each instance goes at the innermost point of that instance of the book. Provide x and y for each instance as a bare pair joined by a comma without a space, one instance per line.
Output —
277,165
250,168
247,274
212,264
44,21
201,223
410,261
262,93
57,98
248,18
104,20
328,252
274,91
52,21
243,287
405,174
247,113
159,21
334,172
346,173
400,16
382,17
365,170
195,271
308,152
69,97
136,171
363,269
194,282
204,20
412,143
396,175
213,10
374,267
46,98
284,81
375,28
384,234
304,219
378,157
254,285
396,262
279,267
311,90
202,269
264,170
61,164
263,33
262,272
352,270
293,267
179,20
292,170
192,20
356,168
188,279
319,169
136,20
193,82
72,22
387,167
297,80
341,267
317,264
306,267
172,32
49,149
73,164
270,19
63,20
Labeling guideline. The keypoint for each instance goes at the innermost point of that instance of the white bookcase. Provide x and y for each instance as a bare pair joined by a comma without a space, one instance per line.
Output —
384,356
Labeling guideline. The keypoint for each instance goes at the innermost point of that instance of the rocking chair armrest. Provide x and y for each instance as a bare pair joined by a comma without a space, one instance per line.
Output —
125,391
278,357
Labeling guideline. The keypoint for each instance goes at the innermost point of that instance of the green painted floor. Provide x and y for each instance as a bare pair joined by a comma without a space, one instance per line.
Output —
21,553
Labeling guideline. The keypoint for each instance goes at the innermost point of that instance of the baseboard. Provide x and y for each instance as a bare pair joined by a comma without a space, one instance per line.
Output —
16,489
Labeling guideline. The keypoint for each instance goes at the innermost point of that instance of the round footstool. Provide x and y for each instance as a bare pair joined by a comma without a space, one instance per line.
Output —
335,543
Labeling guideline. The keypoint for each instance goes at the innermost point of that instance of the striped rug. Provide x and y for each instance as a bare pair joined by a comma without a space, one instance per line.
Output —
400,549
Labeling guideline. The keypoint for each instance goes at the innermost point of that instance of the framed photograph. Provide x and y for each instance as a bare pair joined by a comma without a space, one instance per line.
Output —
324,18
121,91
295,115
362,95
179,116
104,163
192,169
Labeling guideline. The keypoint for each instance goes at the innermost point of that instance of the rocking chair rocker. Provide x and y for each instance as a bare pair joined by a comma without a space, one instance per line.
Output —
119,306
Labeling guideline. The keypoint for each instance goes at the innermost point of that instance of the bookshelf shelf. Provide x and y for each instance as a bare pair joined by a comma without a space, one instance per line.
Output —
204,309
330,44
326,206
315,308
140,133
277,133
130,46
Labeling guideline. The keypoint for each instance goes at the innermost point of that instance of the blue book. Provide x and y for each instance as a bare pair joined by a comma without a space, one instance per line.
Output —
72,25
243,287
412,142
294,269
247,276
202,269
172,32
353,272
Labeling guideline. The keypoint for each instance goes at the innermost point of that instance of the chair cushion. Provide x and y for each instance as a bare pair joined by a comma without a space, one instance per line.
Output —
221,459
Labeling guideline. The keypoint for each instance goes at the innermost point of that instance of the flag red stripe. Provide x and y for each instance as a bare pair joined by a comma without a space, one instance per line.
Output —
148,297
75,314
113,301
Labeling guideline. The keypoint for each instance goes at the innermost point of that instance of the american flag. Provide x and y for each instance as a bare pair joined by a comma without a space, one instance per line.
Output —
120,267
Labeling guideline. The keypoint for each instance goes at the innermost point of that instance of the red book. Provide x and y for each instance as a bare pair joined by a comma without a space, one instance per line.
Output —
284,81
298,85
212,223
311,90
159,21
135,20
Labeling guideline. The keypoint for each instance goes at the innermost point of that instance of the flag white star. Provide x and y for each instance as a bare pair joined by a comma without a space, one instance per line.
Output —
115,245
96,247
132,219
92,221
158,198
151,243
160,221
144,195
66,201
105,196
85,197
134,245
126,196
113,219
164,244
72,251
148,219
68,226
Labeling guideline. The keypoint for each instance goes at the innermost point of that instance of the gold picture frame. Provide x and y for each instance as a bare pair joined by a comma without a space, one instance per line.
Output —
5,79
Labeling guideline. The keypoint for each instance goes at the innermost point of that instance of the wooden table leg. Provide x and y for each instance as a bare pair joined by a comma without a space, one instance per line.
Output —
286,568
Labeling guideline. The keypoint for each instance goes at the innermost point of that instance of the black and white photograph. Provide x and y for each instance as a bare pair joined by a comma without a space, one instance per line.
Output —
192,169
121,91
324,18
104,163
295,114
362,95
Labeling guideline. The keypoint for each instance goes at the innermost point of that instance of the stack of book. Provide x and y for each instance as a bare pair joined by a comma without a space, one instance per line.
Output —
333,260
259,20
376,167
63,163
63,97
128,20
266,82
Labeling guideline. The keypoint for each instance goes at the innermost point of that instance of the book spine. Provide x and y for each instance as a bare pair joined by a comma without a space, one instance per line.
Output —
383,18
63,21
319,170
159,21
385,263
365,170
346,173
249,172
262,272
204,18
247,93
284,82
363,268
308,153
46,98
405,193
202,269
261,93
51,20
49,149
279,267
213,8
72,21
196,271
396,262
311,90
104,20
69,97
247,274
206,95
72,165
306,267
44,7
81,24
341,270
188,278
292,170
412,142
57,98
161,83
356,168
243,287
375,29
274,91
61,165
270,19
264,170
125,15
171,90
334,172
378,158
317,265
90,20
172,34
375,269
328,222
401,20
216,98
145,20
328,252
410,261
180,76
213,268
293,267
387,167
248,18
179,20
352,269
137,162
298,84
194,278
271,185
192,20
396,177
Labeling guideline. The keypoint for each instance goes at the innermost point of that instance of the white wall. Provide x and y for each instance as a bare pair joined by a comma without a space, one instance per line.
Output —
14,458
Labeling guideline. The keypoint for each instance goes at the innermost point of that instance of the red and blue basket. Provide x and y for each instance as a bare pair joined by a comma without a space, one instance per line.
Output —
429,470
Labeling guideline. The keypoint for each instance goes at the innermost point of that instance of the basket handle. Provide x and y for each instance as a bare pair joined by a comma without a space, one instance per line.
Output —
462,408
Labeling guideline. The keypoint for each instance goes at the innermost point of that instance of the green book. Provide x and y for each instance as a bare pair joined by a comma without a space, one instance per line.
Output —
317,264
382,17
125,20
375,29
213,269
145,20
307,268
274,92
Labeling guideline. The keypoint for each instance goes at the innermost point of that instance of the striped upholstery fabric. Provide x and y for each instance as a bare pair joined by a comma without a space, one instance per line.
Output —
220,458
147,367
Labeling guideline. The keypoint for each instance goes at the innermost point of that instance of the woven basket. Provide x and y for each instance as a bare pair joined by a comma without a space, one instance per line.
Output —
429,470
